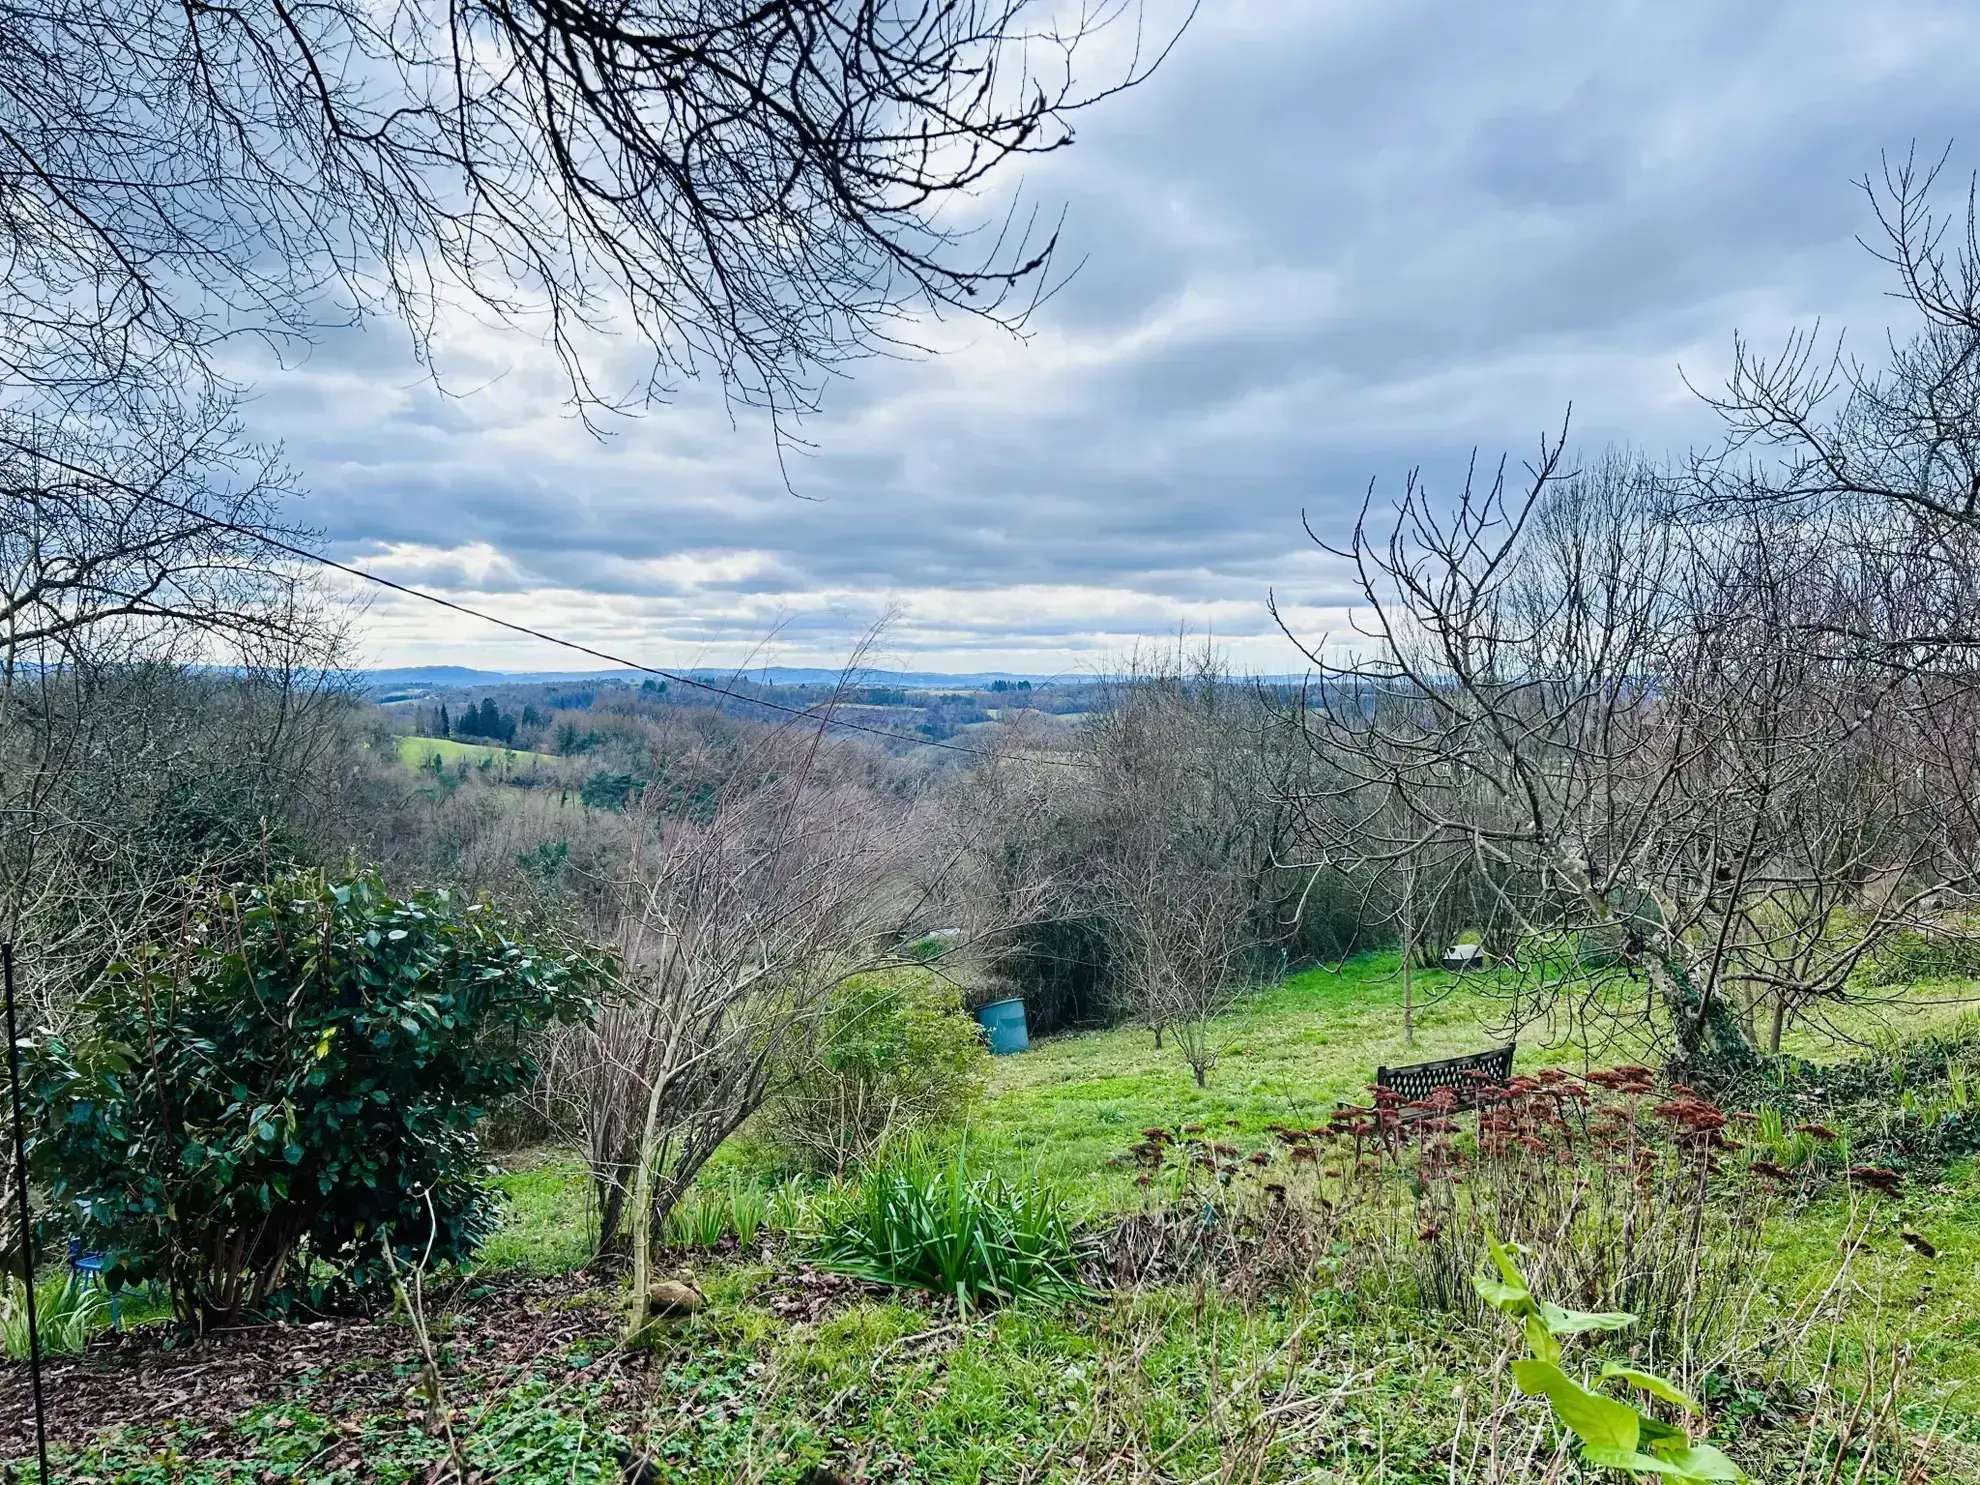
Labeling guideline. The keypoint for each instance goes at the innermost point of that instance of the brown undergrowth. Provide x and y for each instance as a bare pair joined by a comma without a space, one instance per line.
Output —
148,1376
1631,1192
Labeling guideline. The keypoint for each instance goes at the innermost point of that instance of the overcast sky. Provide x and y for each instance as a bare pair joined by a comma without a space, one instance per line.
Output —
1329,241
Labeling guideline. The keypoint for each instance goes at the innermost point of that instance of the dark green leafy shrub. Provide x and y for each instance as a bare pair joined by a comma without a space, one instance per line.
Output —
241,1113
610,791
897,1052
924,1220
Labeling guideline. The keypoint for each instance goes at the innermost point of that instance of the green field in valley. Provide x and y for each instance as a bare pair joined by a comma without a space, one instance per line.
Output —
419,752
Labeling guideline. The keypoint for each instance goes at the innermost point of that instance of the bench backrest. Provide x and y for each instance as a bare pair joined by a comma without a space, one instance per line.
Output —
1459,1074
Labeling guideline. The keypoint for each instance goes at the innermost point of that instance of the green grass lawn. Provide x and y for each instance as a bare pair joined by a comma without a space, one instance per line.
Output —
547,1221
1893,1296
1289,1054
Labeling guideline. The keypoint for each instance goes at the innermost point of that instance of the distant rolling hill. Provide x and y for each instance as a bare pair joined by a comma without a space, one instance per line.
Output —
408,677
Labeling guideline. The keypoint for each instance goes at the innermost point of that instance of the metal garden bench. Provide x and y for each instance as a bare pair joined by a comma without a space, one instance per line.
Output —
1464,1076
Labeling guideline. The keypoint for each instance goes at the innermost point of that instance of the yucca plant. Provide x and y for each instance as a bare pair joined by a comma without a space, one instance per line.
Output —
926,1219
67,1313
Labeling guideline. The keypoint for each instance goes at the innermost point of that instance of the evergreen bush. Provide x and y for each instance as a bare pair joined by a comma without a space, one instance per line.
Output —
240,1114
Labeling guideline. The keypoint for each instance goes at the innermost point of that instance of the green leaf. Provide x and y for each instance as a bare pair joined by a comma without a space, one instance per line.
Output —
1502,1256
1703,1462
1511,1300
1649,1382
1595,1419
1575,1322
1540,1341
1658,1435
1610,1458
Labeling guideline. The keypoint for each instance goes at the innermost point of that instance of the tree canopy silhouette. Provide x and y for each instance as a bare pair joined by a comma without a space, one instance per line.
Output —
760,188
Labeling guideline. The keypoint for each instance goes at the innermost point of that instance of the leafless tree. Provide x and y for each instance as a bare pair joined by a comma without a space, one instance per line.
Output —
126,778
759,191
737,929
738,915
1883,451
145,531
1833,431
168,693
1183,948
1633,734
1189,767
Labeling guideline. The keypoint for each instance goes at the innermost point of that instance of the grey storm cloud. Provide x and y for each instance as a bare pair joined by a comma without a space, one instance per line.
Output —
1327,243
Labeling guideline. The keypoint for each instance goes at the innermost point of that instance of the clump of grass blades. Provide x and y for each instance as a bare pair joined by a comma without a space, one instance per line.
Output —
790,1207
748,1210
700,1219
66,1313
926,1219
705,1216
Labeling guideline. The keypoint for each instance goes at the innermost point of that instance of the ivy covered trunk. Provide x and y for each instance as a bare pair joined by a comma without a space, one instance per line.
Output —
1708,1034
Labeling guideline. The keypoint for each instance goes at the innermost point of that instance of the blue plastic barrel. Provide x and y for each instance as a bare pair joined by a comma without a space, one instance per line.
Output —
1004,1021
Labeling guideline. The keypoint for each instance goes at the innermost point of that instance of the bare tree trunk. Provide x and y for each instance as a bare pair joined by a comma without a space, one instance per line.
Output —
1409,954
611,1209
642,1209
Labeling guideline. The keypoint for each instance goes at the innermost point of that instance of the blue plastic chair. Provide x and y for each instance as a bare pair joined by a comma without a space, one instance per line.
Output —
87,1269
